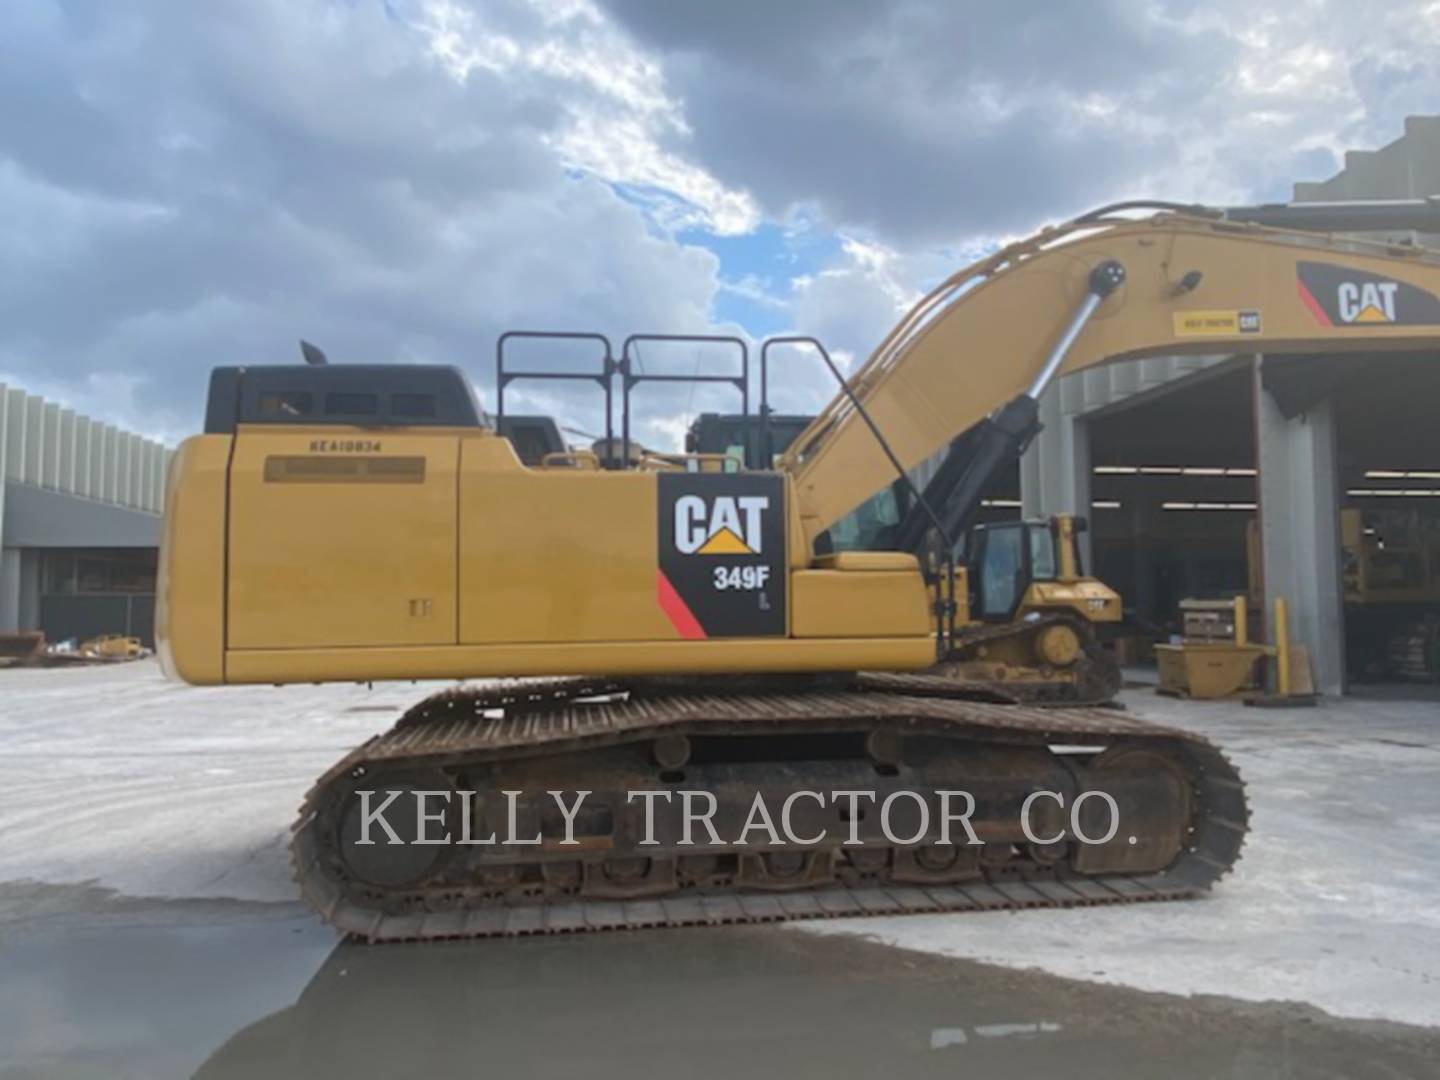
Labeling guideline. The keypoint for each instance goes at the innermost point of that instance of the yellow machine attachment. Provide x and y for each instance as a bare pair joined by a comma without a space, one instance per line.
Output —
1217,659
1391,578
112,647
1390,575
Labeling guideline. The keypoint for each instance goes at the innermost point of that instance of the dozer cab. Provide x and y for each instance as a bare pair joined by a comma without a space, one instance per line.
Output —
692,641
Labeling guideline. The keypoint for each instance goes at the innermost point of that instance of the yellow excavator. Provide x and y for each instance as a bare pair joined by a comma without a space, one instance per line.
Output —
694,644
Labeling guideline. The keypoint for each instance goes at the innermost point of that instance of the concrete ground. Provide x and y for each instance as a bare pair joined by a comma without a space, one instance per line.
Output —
1335,904
1335,900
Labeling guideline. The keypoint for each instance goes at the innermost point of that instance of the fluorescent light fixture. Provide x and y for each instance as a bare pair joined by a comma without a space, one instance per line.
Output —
1105,504
1176,470
1393,493
1208,506
1383,474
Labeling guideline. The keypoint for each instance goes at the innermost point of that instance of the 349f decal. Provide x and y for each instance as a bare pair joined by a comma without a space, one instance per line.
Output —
722,554
1340,296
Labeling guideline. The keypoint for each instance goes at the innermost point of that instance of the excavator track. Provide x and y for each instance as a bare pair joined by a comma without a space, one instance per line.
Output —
1182,811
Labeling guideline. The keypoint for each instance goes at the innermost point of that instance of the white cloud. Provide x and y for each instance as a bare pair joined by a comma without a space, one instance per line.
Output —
617,115
227,181
189,185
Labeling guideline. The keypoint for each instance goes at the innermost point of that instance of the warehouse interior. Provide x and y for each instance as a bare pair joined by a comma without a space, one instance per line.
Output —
1175,500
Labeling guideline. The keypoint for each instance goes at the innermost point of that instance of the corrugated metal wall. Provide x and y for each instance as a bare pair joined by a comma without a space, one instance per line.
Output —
50,447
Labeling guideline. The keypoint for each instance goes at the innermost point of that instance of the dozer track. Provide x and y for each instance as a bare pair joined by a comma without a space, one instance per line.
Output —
1181,823
1094,679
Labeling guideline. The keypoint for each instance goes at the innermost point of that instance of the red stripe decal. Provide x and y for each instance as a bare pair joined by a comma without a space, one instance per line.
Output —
1314,305
675,608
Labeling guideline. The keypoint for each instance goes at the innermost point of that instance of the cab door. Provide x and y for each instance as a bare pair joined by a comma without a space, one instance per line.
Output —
999,561
341,537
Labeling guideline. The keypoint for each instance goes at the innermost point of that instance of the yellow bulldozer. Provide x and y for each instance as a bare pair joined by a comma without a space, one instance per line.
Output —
699,657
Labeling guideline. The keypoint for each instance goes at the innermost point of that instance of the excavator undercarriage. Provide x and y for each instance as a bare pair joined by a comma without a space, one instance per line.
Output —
1179,813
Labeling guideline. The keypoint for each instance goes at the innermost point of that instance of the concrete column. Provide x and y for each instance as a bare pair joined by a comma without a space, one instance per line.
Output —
1300,529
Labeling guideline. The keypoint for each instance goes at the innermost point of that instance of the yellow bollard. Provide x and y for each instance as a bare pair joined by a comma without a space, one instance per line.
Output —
1282,648
1242,622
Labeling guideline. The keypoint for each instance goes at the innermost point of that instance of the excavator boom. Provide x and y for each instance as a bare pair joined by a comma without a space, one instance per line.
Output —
1191,285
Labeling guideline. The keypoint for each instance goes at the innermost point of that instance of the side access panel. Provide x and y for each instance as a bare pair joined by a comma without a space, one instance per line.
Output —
342,539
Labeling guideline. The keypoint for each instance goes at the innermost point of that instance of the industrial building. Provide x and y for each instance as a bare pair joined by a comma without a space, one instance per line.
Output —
1286,477
79,522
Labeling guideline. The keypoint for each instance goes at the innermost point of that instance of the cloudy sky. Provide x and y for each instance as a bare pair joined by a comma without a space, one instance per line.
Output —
188,183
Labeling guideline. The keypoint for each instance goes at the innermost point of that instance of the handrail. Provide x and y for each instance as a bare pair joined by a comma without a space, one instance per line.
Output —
629,379
604,377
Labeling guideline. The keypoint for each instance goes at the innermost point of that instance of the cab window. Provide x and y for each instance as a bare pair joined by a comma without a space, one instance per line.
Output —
1043,564
1003,570
286,403
863,528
